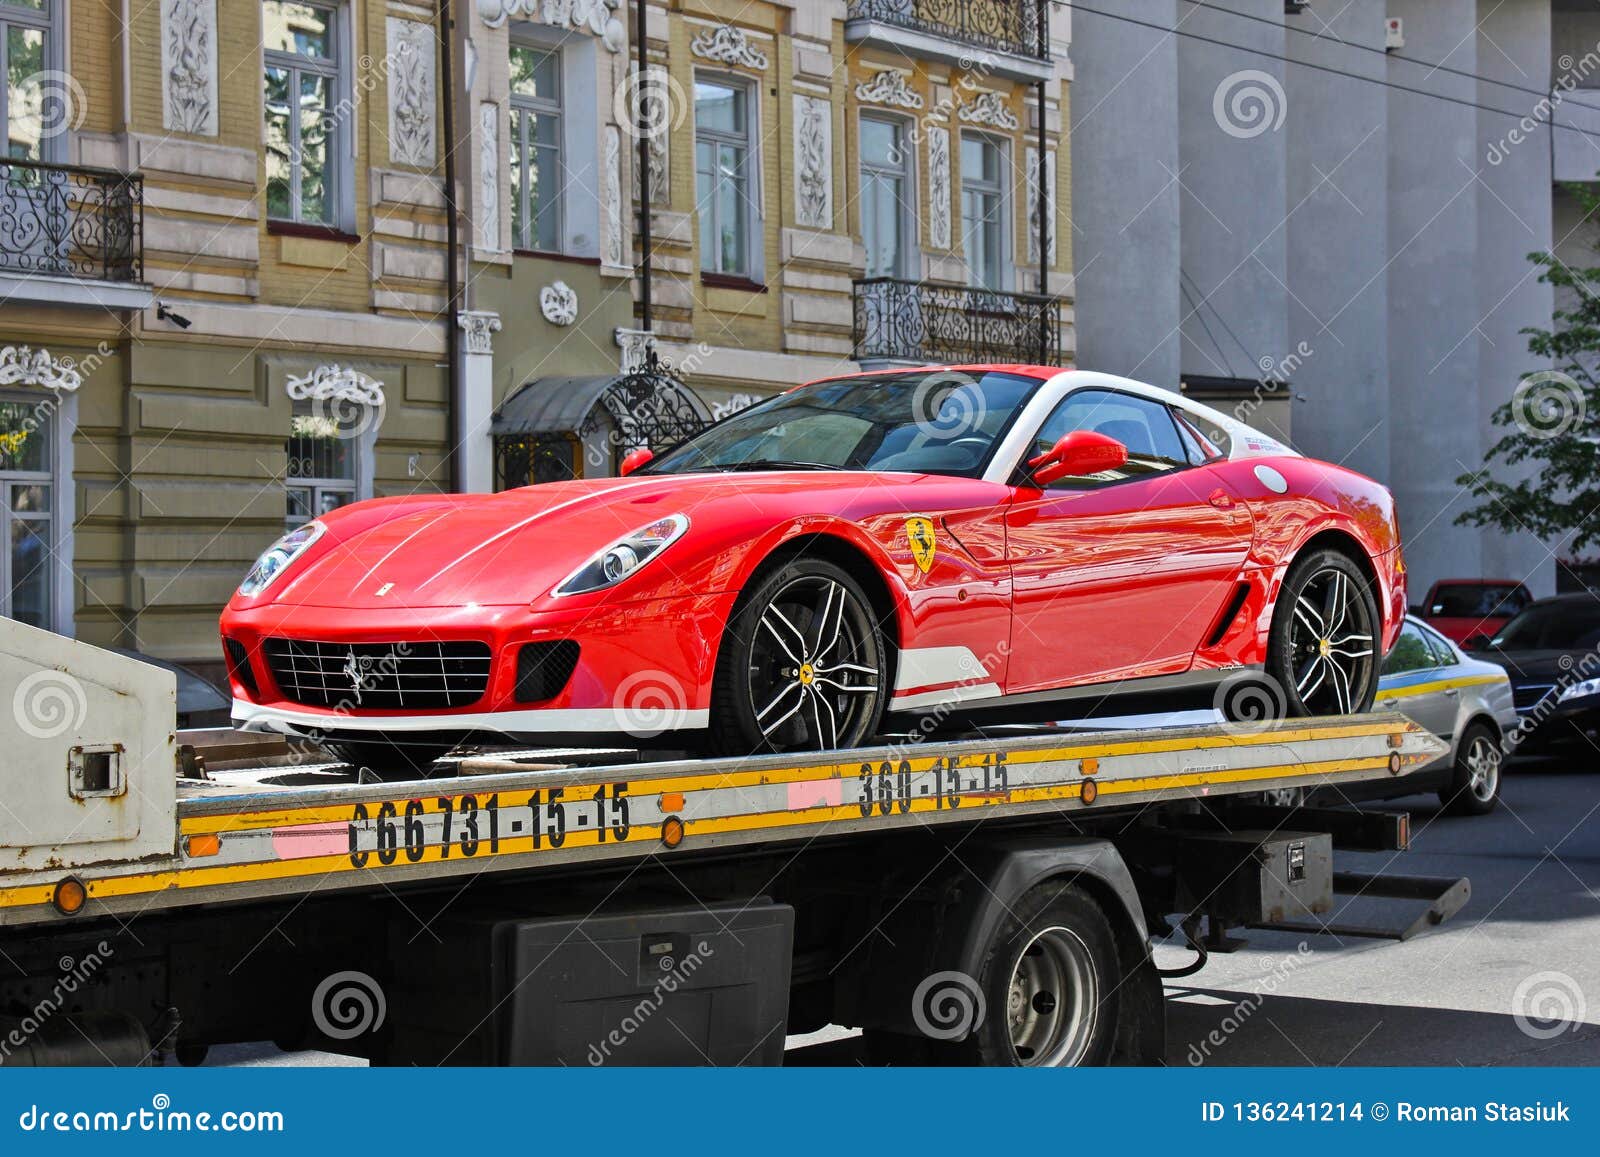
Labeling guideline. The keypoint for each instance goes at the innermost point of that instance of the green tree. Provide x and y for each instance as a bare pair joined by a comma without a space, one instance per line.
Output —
1551,423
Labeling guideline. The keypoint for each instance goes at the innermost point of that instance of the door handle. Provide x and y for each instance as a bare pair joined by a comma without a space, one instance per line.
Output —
1221,499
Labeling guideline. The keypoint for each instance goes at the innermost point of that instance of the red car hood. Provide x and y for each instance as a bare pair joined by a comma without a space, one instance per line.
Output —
512,548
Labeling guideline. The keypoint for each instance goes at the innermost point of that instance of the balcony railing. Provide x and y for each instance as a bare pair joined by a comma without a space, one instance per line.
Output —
914,321
1014,26
71,221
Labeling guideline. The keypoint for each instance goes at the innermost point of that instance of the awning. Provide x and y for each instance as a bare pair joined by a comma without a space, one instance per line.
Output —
551,405
647,409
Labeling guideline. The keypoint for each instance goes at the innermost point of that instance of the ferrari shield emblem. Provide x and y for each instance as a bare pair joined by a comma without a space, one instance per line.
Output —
919,531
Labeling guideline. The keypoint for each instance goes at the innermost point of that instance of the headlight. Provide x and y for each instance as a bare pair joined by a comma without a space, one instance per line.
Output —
1579,690
619,560
277,557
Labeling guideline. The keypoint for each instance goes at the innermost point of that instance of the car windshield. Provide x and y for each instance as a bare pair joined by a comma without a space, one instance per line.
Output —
1552,626
924,422
1465,600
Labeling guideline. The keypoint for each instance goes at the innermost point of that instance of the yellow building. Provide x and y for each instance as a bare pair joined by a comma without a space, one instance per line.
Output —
226,295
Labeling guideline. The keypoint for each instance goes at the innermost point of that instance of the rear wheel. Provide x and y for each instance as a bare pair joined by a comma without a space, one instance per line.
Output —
388,759
1474,787
802,667
1323,647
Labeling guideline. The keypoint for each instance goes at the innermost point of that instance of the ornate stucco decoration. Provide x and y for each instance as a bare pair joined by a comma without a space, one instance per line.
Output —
613,196
22,365
189,66
336,383
939,187
989,108
411,93
592,16
478,327
633,343
889,87
726,44
813,163
558,301
489,175
732,404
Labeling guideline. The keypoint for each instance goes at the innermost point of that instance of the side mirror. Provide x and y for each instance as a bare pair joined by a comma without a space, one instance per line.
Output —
634,459
1078,453
1478,642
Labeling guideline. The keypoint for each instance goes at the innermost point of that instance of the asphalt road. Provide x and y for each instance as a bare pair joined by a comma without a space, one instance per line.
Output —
1513,979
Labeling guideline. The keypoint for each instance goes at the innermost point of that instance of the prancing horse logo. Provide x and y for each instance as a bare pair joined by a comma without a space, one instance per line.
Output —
352,672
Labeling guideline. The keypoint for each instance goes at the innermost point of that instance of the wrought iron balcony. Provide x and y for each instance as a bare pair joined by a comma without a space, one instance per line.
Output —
914,321
1017,27
71,221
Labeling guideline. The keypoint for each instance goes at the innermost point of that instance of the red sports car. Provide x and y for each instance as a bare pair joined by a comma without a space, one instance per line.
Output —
863,555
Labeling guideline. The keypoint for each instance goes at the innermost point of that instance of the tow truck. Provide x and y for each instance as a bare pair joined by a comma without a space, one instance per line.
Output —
984,899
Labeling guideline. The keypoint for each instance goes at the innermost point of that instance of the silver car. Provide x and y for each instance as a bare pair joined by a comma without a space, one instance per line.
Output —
1462,701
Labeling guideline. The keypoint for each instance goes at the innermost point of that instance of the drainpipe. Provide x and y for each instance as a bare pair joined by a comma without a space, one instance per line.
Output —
1043,191
639,115
452,325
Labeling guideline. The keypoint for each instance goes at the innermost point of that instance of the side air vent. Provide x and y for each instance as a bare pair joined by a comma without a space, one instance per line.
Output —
543,669
239,666
1230,612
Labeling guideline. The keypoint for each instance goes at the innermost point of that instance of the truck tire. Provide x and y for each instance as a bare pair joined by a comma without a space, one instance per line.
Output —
1474,785
1045,996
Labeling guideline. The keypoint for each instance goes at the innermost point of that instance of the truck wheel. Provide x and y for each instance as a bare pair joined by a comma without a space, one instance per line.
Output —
802,666
387,760
1322,651
1474,786
1050,985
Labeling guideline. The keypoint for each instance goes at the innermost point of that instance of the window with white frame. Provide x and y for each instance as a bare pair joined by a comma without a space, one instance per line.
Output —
984,180
538,174
27,505
725,186
322,473
24,61
304,88
885,196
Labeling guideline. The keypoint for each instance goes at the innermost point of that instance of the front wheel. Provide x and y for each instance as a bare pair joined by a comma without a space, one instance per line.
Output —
1474,787
803,665
1323,649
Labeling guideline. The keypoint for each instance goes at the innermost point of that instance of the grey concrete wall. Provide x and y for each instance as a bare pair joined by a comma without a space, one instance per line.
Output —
1433,295
1233,147
1515,210
1338,243
1125,201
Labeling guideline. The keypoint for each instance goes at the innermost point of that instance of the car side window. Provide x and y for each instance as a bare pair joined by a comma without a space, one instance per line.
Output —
1143,426
1411,653
1443,655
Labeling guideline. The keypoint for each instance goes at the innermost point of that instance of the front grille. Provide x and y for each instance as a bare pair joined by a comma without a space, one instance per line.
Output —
1527,696
543,669
351,676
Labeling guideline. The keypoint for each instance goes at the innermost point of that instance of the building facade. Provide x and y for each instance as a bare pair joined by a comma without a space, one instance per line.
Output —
227,301
1322,219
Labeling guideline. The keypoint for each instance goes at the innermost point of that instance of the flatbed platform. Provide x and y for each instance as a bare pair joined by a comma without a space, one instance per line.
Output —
249,833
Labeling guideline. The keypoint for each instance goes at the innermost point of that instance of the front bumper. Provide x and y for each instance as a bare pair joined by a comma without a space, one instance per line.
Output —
1551,722
642,667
